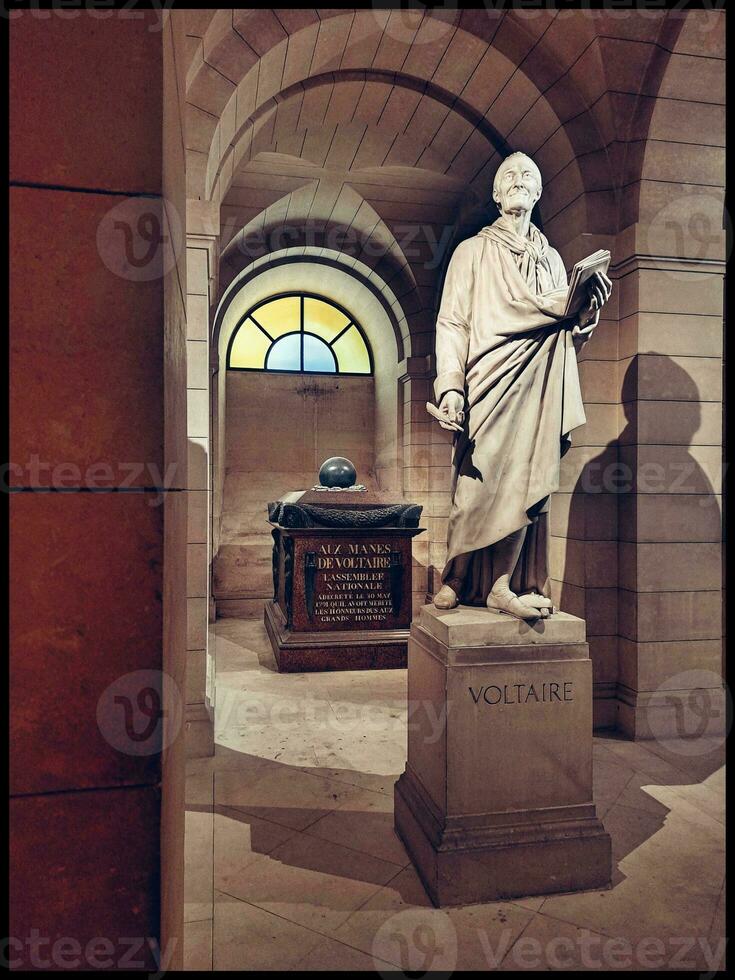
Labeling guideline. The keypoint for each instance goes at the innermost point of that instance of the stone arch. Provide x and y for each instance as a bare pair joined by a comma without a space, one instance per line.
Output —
527,99
290,222
257,121
352,287
319,255
387,329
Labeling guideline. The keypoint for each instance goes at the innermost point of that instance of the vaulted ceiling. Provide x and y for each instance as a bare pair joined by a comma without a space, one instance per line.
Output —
386,126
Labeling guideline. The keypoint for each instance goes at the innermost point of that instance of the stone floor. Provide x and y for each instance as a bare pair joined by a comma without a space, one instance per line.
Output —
292,861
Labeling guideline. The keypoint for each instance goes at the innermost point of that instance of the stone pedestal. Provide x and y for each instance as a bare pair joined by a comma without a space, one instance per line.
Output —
496,798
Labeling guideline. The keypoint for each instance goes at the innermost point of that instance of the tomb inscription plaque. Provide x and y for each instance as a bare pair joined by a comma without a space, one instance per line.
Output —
354,584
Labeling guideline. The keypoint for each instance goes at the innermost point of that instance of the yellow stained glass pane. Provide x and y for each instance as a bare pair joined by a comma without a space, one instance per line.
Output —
352,354
249,347
280,316
323,319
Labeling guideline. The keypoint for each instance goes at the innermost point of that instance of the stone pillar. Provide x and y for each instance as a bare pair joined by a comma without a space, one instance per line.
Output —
669,258
97,373
496,799
201,258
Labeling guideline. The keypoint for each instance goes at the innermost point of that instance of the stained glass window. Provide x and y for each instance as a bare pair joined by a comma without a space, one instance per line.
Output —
299,332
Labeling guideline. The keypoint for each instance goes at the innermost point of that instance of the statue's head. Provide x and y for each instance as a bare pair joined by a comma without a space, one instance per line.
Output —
517,184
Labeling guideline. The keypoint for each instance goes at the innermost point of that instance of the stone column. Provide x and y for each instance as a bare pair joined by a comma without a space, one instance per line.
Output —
97,400
669,262
201,258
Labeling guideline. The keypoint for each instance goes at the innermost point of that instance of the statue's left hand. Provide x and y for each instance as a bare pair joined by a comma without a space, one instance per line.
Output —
599,288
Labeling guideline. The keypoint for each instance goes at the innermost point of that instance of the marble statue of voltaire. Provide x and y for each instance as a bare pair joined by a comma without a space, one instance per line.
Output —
507,378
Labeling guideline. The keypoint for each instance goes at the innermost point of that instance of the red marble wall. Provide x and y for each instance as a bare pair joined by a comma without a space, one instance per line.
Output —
87,412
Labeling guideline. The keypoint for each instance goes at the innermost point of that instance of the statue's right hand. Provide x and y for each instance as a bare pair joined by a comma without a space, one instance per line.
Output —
452,405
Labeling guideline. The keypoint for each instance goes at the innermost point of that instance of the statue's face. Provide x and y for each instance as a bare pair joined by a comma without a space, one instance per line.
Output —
518,186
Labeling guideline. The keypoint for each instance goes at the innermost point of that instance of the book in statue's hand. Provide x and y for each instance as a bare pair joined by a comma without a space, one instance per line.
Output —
577,294
441,417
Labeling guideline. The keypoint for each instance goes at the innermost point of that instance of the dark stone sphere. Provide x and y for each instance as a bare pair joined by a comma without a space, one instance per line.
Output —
337,472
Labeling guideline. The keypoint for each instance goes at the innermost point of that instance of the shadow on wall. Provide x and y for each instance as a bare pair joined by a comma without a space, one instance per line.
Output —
650,457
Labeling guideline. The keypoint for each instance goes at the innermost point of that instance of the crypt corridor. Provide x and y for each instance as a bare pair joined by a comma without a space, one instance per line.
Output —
337,157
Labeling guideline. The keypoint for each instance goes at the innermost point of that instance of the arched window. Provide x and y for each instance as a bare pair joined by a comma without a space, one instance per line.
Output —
299,332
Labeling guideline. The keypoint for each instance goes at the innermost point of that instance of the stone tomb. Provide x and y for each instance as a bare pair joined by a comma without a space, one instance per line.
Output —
496,798
342,580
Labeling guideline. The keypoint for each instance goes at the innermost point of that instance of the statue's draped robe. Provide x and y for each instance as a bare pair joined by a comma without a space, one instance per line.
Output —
501,339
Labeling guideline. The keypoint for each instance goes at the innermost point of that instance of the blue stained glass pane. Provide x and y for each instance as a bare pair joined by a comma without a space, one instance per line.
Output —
285,354
317,355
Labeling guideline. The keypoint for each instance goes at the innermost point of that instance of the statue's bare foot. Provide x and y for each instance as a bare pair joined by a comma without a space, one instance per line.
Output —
546,606
446,598
505,601
535,599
